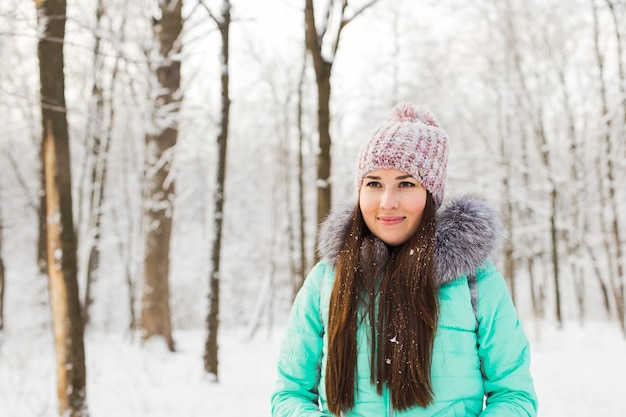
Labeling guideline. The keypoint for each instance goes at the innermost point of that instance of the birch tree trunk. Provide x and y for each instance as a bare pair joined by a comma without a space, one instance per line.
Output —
159,178
211,359
60,237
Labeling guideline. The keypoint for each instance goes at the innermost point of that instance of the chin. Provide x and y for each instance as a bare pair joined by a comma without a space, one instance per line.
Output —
393,242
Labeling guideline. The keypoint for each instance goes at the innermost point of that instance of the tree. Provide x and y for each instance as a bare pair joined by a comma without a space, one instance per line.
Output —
1,278
620,134
532,107
211,360
97,162
619,49
60,237
300,272
159,178
607,194
322,42
287,197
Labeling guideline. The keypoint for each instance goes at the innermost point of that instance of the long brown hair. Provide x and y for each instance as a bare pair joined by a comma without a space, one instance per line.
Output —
400,300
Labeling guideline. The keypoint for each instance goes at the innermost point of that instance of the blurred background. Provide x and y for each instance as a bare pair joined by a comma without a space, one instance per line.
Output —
164,166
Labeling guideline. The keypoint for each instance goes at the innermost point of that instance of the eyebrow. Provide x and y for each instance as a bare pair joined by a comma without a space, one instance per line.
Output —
401,177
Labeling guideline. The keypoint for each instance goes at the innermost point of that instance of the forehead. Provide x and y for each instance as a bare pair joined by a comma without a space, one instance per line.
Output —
387,173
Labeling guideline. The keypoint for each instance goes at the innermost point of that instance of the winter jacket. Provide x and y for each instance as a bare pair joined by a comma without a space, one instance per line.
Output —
466,347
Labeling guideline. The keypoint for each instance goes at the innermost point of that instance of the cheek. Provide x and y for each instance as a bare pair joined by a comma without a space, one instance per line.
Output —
422,201
368,207
419,204
366,202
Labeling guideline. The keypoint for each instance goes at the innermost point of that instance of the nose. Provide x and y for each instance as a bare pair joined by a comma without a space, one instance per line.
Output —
389,199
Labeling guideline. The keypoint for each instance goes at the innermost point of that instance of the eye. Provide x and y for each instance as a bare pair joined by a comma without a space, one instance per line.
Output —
407,184
373,184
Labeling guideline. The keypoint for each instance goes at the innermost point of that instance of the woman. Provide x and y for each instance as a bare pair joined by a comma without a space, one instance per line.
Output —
405,314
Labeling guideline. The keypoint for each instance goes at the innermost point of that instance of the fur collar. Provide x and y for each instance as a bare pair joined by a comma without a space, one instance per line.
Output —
468,231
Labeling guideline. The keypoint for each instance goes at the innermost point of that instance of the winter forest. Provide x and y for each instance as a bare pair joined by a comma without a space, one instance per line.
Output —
164,165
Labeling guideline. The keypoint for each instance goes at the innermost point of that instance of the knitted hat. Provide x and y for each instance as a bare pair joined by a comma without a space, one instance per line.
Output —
410,141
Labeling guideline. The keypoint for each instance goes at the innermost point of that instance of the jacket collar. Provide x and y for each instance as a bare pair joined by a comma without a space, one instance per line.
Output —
468,231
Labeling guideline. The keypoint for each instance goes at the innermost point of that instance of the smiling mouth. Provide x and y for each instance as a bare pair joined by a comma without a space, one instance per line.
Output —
390,220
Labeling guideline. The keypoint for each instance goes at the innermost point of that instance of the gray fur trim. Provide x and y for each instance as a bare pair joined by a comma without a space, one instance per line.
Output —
468,232
333,232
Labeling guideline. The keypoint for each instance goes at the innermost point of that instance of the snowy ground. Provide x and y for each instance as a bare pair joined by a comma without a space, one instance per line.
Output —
579,371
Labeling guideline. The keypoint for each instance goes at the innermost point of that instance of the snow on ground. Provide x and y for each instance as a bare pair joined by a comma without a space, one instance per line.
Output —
579,371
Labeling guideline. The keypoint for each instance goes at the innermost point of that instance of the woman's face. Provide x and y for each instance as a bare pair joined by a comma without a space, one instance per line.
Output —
392,203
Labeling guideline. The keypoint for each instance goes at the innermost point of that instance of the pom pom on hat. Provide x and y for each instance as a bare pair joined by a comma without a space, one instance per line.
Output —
406,112
410,141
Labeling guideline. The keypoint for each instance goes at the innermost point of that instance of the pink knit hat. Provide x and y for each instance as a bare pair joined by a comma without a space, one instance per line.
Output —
410,141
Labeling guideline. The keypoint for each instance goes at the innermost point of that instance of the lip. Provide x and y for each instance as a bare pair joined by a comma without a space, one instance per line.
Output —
390,220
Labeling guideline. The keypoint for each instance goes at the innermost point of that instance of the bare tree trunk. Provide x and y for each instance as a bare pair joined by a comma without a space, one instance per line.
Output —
127,248
509,249
534,113
159,179
598,273
580,227
42,255
533,289
211,358
2,281
264,296
542,145
608,199
126,253
524,210
509,252
323,64
536,288
299,274
555,253
99,152
612,179
323,70
619,46
60,237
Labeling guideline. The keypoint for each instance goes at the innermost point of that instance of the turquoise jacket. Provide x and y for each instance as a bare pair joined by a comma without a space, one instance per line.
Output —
480,363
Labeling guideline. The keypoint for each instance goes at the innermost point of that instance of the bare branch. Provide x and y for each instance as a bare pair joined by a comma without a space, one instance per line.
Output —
20,179
346,20
217,21
356,13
